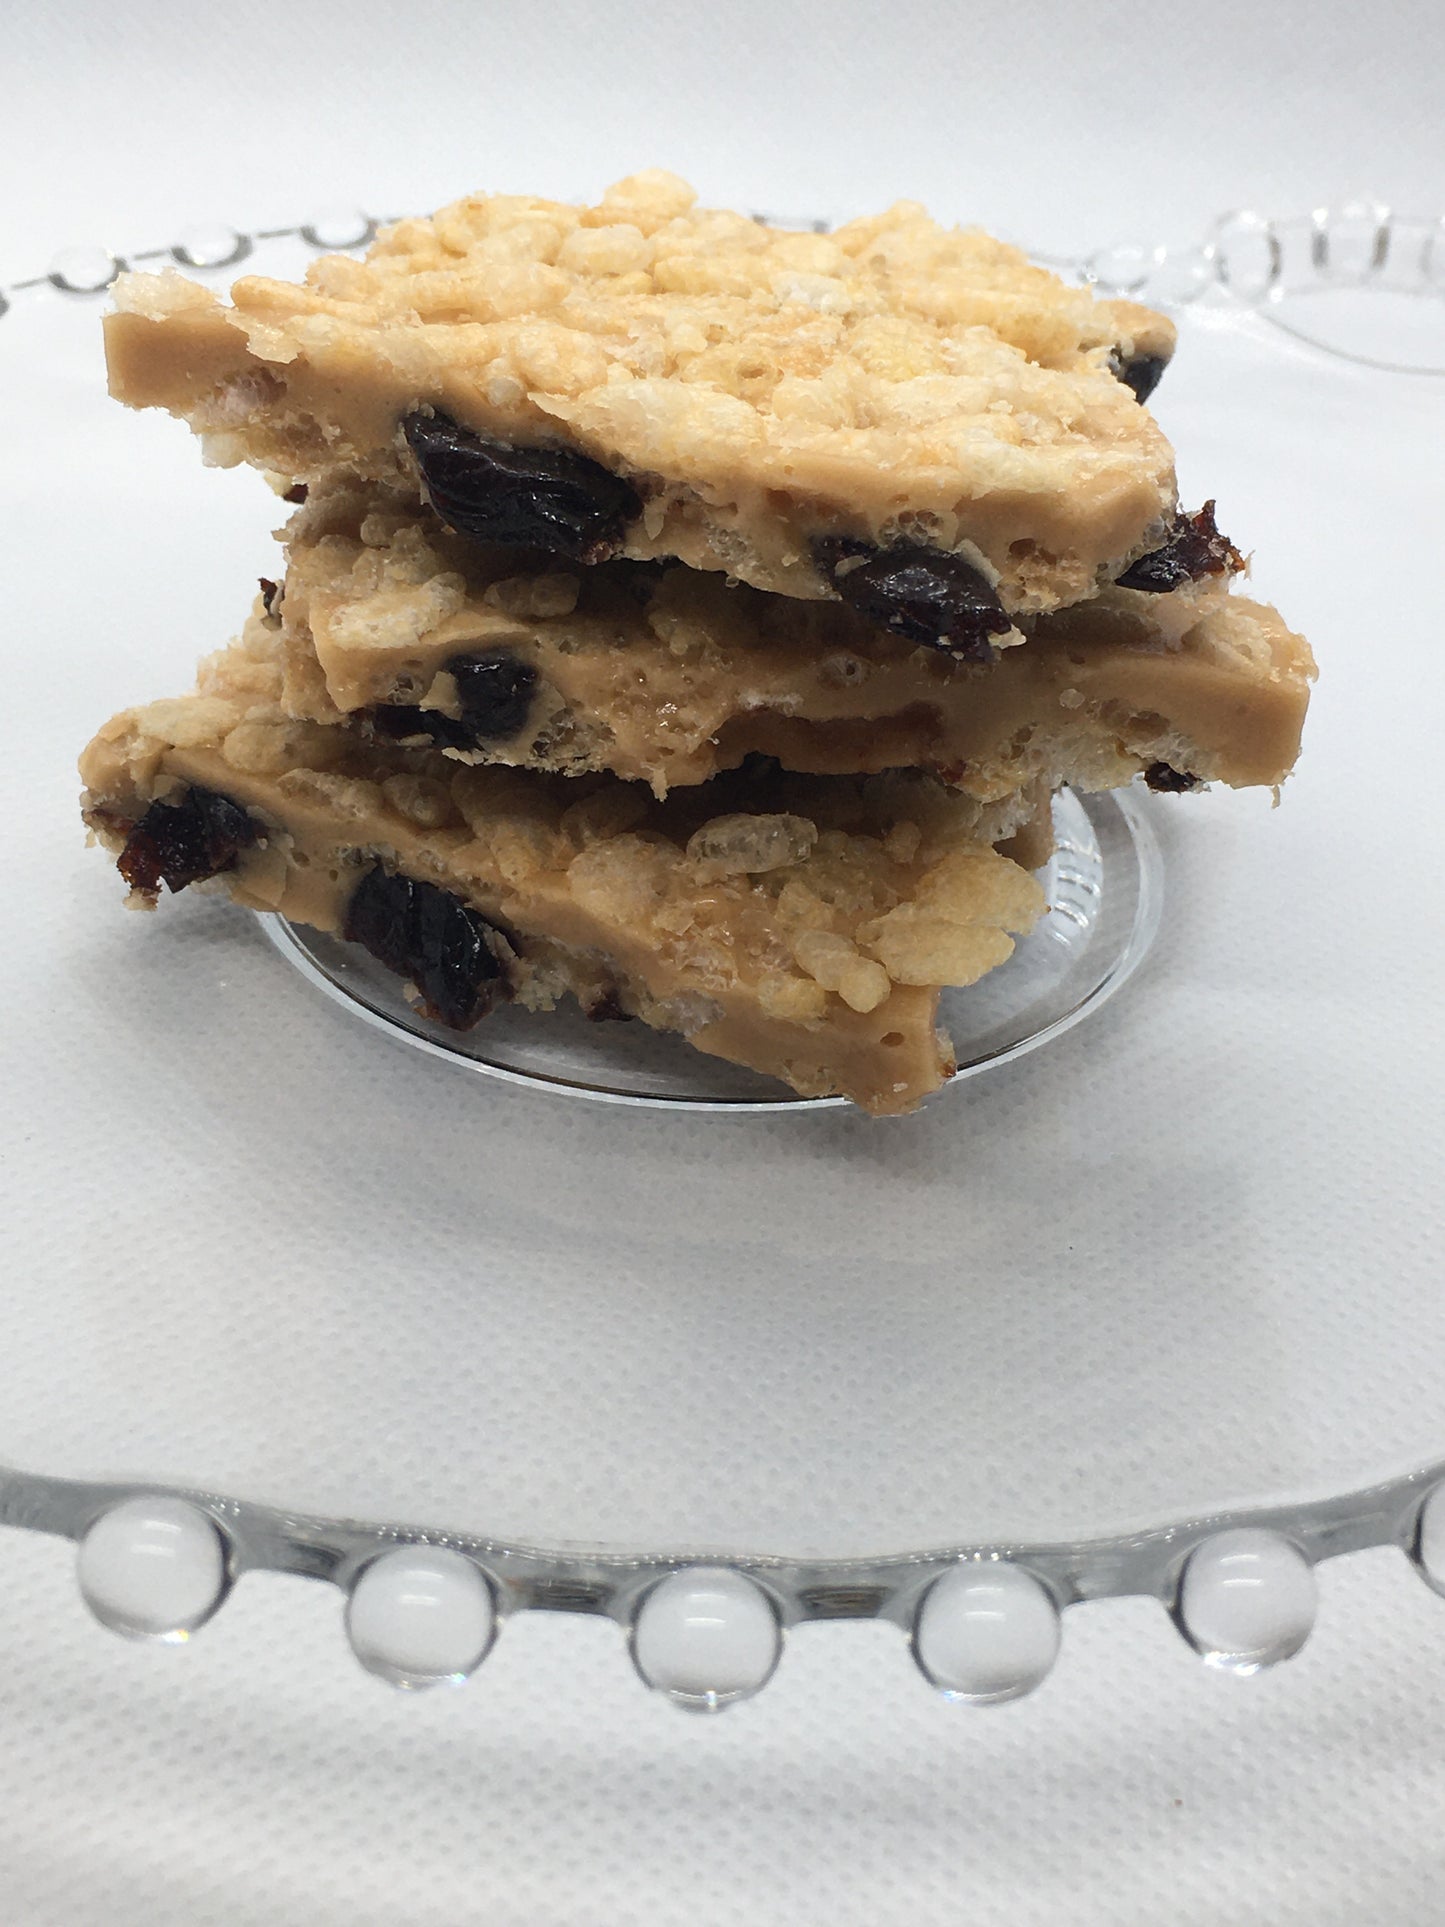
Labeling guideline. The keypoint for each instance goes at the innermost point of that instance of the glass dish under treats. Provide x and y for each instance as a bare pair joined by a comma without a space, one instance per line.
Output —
1154,1306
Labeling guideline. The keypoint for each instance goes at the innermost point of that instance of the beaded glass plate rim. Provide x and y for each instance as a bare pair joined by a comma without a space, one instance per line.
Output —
157,1560
997,1649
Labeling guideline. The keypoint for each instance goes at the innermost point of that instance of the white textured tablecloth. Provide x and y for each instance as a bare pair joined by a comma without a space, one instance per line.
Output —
258,1776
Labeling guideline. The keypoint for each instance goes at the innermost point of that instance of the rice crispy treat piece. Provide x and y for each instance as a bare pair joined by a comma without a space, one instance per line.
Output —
669,675
801,926
651,379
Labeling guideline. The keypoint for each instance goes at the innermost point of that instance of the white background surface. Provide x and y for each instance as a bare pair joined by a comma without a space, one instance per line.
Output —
259,1776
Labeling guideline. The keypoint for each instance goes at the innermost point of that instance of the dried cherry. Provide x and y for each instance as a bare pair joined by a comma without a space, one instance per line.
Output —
544,498
458,961
1195,548
400,722
495,690
1141,373
179,843
926,595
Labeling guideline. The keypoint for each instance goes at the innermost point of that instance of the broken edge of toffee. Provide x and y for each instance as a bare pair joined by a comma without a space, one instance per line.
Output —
545,498
925,595
458,962
176,844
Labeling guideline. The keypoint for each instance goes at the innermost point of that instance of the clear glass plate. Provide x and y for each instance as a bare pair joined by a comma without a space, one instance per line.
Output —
1184,1262
1104,889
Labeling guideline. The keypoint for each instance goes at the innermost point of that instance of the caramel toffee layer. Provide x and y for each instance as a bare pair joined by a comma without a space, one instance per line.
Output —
799,925
666,675
650,379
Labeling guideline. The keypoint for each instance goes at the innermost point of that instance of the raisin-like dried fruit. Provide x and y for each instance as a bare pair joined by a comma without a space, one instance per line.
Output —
400,723
924,594
270,591
1141,373
543,498
458,961
297,493
607,1009
1170,781
179,843
495,691
1195,548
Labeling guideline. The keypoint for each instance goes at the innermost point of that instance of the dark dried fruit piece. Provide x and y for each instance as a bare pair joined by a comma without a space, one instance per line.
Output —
1142,373
544,498
1170,781
179,843
1195,548
495,691
924,594
607,1009
297,493
270,591
458,961
401,723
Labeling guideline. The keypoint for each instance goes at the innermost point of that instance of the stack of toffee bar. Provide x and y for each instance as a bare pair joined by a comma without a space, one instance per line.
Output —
684,615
